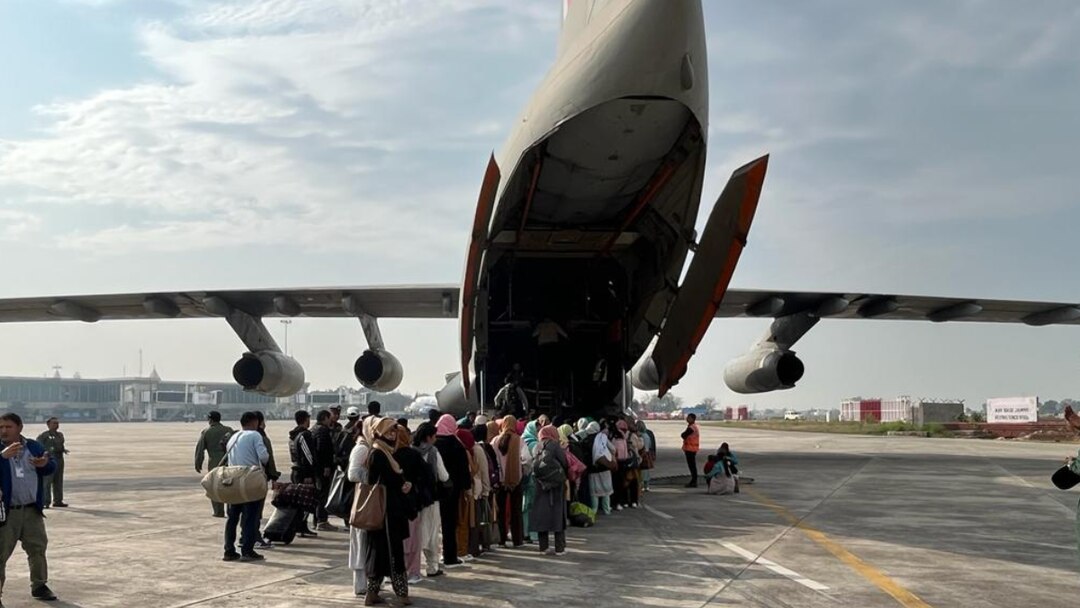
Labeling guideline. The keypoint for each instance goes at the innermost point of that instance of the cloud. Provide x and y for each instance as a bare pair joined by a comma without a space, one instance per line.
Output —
278,115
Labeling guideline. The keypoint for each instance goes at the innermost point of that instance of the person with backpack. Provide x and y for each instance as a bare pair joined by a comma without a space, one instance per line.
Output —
549,505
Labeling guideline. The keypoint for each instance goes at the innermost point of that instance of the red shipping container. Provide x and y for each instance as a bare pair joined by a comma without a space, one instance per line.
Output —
744,413
727,413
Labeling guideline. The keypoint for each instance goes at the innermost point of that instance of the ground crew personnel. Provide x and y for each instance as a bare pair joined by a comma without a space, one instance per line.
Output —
53,440
212,442
691,443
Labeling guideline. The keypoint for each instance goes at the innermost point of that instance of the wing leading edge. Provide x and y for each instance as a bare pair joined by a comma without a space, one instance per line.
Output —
763,303
441,301
412,302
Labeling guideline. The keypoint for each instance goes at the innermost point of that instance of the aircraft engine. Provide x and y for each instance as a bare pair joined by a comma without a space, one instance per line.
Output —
763,370
269,373
378,370
644,375
452,399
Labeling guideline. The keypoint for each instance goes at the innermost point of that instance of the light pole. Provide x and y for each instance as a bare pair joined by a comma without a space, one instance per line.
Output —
286,323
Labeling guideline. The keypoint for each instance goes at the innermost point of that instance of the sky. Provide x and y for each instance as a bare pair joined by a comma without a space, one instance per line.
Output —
921,147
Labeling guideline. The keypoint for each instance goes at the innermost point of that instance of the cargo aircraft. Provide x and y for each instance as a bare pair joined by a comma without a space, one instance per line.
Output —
583,225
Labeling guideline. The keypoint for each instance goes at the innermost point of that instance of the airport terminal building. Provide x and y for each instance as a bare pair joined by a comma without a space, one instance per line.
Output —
901,409
151,399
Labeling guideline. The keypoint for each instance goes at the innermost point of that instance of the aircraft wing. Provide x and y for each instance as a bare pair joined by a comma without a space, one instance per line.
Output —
764,303
415,302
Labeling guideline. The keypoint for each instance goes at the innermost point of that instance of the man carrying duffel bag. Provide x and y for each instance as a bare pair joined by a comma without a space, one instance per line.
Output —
242,485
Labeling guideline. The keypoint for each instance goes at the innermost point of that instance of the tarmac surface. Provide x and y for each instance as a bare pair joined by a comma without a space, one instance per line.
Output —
831,520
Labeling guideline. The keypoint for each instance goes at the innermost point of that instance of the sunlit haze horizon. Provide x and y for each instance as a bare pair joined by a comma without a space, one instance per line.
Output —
917,148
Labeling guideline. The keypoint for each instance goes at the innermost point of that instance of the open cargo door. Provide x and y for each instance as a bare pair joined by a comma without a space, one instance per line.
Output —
478,240
709,274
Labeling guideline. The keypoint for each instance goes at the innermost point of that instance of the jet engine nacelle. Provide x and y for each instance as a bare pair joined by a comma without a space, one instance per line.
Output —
269,373
378,370
452,398
644,375
763,370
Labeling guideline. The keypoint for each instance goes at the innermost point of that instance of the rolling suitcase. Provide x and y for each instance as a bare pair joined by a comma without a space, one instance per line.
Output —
282,525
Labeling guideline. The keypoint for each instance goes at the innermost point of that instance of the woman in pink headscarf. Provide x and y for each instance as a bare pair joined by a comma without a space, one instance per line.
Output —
549,507
456,460
622,458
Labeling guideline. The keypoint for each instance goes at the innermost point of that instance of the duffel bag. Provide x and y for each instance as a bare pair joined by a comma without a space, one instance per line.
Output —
235,485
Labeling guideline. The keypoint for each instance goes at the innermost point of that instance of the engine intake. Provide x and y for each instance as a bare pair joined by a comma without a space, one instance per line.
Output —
378,370
763,370
452,398
644,376
269,373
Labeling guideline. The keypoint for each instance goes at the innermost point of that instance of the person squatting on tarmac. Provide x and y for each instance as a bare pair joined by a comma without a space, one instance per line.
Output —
22,472
53,441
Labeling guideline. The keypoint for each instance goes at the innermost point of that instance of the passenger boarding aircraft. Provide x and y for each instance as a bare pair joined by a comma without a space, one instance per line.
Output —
581,232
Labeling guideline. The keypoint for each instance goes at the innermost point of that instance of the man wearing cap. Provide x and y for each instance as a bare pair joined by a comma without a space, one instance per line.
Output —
353,418
53,440
212,442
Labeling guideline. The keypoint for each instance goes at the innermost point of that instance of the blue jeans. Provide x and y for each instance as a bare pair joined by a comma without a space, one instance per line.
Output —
247,514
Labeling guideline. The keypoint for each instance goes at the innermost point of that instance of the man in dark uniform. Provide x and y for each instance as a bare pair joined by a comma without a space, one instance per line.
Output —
212,443
324,467
53,440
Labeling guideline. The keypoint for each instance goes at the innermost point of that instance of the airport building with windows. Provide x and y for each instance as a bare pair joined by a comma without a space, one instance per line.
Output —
142,399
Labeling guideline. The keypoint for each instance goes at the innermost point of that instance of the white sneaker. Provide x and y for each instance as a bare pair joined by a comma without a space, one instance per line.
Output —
468,558
634,506
549,551
415,579
560,553
618,507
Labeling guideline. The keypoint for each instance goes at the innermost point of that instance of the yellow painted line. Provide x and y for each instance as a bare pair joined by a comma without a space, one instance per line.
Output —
870,573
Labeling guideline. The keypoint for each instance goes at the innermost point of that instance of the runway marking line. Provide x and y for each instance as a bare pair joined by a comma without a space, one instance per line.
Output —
775,567
657,512
870,573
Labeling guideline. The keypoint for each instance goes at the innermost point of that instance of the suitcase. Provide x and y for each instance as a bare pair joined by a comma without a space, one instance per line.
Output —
282,525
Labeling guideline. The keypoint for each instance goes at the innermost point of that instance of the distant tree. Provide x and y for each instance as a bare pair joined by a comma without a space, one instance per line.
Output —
977,417
710,403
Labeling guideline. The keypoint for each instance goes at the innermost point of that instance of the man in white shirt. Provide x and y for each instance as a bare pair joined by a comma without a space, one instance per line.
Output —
245,449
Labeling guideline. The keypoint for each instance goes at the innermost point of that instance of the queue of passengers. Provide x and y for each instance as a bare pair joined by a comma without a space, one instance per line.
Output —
455,490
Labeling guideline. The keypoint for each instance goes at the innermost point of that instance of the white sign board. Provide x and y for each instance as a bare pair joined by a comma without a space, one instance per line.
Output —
1012,410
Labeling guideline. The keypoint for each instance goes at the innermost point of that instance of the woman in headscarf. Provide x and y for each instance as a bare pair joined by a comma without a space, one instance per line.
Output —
603,456
424,444
648,454
357,472
575,468
419,474
633,476
617,433
456,460
466,524
511,452
385,550
480,539
549,509
531,437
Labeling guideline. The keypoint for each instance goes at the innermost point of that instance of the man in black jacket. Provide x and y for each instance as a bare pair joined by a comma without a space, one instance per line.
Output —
324,467
304,467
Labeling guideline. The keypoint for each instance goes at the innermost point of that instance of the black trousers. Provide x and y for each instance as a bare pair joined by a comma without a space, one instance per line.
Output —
509,504
323,485
691,463
448,513
247,515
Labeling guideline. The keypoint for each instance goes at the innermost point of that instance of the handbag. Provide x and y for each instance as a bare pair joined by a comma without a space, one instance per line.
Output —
369,505
648,461
340,499
302,496
1065,478
235,485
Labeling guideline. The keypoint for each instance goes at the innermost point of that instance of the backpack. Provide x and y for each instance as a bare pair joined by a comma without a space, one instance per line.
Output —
549,474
